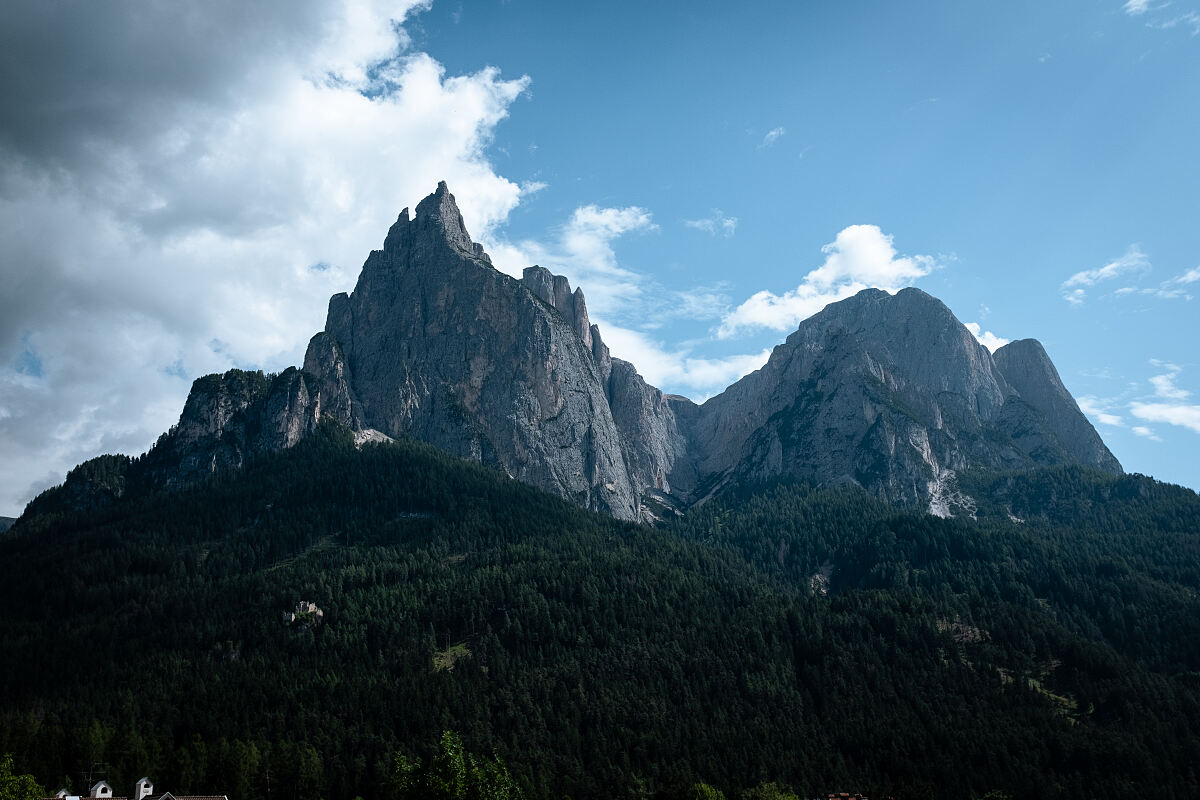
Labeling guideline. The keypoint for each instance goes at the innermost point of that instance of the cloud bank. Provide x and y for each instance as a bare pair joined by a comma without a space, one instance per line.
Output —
182,186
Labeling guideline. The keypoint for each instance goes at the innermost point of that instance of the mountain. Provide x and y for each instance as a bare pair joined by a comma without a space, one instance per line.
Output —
893,393
889,392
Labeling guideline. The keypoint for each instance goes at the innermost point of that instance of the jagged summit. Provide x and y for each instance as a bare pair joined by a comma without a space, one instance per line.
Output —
890,392
437,223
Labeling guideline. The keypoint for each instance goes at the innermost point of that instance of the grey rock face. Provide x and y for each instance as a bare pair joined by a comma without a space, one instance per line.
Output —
889,392
441,346
229,418
1030,372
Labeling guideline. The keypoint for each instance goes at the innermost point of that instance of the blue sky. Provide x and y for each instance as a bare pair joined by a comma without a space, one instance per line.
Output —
181,188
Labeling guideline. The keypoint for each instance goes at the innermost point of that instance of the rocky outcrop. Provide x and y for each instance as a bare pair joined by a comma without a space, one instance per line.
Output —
441,346
1030,372
889,392
229,418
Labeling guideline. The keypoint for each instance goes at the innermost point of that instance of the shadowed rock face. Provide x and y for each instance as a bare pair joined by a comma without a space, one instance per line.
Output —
1030,372
887,391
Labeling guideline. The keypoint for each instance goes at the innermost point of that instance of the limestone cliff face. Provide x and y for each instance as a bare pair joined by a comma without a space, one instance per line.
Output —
441,346
1030,372
230,418
890,392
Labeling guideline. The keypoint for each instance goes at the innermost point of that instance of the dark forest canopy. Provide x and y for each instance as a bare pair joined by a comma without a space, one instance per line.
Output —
815,639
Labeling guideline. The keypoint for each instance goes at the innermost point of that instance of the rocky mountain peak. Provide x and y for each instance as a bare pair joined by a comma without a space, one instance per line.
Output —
1029,370
437,223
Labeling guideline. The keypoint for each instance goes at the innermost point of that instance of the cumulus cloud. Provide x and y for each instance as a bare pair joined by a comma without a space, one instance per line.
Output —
715,224
182,187
861,256
986,338
1074,288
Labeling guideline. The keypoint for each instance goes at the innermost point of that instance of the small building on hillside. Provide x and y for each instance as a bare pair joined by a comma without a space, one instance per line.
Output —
306,614
142,790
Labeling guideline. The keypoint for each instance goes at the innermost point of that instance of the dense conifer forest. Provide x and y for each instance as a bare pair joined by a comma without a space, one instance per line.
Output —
776,639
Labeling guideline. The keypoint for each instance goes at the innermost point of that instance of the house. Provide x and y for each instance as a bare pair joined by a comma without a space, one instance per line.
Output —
142,790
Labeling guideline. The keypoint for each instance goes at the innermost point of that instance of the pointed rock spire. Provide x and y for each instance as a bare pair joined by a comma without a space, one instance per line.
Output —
436,223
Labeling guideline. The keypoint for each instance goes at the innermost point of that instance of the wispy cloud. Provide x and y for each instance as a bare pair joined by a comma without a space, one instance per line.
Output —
1100,411
582,250
1162,15
1176,288
1166,405
1074,288
1190,19
1184,416
1164,384
772,136
1146,433
715,224
1191,276
861,256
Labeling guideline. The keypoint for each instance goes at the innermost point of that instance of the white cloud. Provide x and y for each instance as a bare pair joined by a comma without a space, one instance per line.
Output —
1099,411
773,135
206,224
1190,19
861,256
1173,414
1164,384
1134,260
661,366
986,338
1146,433
715,223
1160,16
1191,276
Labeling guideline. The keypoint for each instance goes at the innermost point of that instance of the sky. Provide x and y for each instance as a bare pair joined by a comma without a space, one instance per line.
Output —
184,185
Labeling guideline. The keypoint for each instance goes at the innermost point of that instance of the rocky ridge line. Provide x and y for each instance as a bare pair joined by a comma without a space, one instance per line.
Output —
890,392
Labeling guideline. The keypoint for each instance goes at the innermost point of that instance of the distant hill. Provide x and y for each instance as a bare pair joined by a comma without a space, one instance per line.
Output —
821,639
6,523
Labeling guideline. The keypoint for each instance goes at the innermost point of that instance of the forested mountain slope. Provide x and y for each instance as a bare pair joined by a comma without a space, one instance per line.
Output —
777,633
